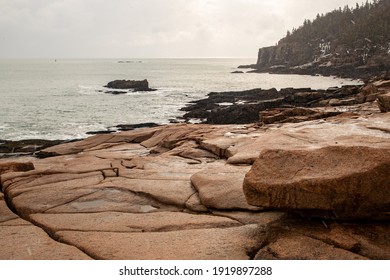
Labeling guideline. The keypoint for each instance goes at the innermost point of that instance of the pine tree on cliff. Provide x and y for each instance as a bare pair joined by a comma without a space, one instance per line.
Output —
369,21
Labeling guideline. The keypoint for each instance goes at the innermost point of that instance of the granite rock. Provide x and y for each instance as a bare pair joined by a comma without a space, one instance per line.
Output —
176,192
339,182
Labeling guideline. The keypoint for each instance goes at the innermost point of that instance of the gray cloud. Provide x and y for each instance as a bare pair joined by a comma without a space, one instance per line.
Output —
149,28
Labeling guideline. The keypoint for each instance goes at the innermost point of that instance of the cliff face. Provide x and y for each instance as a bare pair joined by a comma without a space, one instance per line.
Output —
301,56
349,42
284,55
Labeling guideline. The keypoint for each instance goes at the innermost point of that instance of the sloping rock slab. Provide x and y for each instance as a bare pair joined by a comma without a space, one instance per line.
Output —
20,240
129,222
28,242
236,243
222,189
337,182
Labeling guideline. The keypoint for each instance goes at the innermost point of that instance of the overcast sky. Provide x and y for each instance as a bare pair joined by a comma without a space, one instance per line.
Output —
150,28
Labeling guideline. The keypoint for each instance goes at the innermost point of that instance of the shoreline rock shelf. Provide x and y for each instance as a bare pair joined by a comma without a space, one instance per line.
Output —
285,105
196,191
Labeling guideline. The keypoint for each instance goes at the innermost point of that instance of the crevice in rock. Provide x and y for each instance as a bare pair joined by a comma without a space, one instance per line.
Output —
262,244
11,219
228,217
30,189
1,225
10,206
299,138
188,157
56,238
219,152
71,200
129,167
33,223
382,129
356,249
155,202
22,178
287,228
200,202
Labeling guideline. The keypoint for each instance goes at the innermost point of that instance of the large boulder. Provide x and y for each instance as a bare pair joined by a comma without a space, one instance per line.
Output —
383,102
340,182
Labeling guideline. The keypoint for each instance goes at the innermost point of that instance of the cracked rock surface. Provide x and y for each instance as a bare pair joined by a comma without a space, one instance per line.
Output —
178,192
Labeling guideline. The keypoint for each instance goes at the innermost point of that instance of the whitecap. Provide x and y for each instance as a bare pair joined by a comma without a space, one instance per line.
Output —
90,89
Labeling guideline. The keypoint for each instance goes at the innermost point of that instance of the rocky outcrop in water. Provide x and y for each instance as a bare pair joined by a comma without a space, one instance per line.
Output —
128,85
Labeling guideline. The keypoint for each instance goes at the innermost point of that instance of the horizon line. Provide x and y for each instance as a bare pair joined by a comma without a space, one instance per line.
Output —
122,58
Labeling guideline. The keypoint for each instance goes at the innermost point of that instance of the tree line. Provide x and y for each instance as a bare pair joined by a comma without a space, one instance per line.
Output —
368,22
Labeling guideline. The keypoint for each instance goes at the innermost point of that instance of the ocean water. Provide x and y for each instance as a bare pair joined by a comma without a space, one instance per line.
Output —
64,99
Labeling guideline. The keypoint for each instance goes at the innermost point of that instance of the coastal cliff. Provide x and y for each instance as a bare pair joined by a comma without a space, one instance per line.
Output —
350,42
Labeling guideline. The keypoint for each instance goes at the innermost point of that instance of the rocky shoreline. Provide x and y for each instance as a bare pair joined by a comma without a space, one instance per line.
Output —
285,105
307,179
364,73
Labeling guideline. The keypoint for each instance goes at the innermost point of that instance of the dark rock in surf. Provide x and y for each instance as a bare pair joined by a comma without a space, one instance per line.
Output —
127,127
26,147
116,92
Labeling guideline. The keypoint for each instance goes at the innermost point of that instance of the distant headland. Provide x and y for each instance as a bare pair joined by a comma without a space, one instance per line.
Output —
350,42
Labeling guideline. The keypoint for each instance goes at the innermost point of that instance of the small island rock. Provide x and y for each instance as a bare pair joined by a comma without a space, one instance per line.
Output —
142,85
